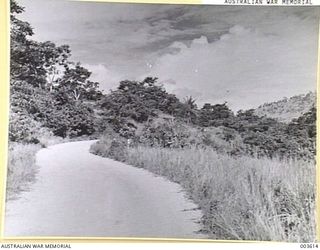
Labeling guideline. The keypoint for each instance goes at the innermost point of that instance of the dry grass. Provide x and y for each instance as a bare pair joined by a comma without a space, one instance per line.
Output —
241,198
21,167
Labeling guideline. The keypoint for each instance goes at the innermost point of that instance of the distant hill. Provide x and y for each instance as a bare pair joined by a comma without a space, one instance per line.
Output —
288,108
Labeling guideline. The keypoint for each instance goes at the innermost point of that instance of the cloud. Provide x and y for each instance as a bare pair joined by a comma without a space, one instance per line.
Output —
108,79
243,55
246,66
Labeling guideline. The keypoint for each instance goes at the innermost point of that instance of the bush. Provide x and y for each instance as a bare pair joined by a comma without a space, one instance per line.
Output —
72,120
111,145
24,129
162,133
222,140
55,111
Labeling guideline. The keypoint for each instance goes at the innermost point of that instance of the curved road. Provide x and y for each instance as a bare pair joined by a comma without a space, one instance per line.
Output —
81,194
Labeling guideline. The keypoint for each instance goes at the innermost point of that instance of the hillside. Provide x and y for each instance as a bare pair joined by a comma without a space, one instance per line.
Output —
263,166
251,175
287,109
146,114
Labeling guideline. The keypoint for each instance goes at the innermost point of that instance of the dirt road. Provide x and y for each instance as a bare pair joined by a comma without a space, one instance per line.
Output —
81,194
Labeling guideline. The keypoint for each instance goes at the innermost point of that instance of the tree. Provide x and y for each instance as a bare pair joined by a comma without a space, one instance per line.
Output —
215,115
34,62
139,100
63,118
19,29
45,87
187,110
303,129
55,62
76,84
190,102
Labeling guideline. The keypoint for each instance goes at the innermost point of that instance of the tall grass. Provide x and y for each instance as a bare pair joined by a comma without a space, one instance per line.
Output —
21,169
241,198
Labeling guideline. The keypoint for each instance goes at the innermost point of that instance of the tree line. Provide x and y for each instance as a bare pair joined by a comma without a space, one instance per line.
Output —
51,94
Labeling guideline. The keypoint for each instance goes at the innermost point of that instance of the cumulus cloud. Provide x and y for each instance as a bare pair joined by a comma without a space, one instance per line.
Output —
243,55
107,78
246,66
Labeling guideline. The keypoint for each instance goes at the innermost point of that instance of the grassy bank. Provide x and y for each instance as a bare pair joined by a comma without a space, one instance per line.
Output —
22,167
241,198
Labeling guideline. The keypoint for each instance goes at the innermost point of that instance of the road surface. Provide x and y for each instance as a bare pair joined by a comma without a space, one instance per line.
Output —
80,194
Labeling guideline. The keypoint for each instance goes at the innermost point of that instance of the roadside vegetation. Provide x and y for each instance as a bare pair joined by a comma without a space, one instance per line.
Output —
51,101
21,168
242,198
242,194
253,176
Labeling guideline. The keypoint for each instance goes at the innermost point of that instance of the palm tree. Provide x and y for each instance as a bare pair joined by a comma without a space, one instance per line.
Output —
189,109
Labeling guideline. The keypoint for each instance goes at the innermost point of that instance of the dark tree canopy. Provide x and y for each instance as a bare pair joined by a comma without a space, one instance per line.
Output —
139,100
215,115
47,89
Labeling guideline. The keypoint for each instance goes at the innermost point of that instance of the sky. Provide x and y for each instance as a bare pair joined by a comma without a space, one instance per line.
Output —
244,56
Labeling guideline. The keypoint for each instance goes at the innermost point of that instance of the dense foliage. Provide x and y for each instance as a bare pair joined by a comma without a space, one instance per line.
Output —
48,91
139,101
146,113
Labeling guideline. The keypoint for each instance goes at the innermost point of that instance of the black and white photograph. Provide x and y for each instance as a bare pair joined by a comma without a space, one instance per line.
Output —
162,121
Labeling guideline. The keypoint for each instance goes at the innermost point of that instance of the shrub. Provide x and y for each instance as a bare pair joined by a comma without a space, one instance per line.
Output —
55,111
162,133
111,145
176,134
23,128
